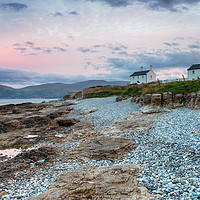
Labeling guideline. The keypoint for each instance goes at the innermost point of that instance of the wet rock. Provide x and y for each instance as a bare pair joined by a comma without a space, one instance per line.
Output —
9,126
113,182
66,121
23,160
36,121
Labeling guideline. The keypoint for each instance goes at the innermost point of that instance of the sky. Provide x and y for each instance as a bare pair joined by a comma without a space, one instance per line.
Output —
69,41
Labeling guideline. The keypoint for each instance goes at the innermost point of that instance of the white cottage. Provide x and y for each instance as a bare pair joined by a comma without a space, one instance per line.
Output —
194,72
143,76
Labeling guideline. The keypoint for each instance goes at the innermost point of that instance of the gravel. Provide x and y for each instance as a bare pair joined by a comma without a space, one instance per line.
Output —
108,110
168,152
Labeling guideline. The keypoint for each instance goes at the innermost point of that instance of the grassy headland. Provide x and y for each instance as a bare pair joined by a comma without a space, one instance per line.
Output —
181,87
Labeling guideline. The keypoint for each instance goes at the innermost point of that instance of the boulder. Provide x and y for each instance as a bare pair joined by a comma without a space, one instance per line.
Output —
118,99
112,182
149,109
167,99
57,114
190,99
197,101
133,99
86,111
178,100
156,99
66,121
147,99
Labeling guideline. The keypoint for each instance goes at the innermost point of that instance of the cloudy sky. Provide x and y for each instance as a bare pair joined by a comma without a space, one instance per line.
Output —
74,40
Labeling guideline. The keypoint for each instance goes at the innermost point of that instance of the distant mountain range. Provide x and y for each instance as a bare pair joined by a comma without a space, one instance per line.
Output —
52,90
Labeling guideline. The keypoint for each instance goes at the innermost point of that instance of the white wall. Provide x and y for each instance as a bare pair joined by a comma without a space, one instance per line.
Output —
193,74
151,77
141,79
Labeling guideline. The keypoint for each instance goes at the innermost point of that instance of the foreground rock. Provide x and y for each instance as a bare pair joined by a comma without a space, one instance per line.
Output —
113,182
22,161
20,120
104,148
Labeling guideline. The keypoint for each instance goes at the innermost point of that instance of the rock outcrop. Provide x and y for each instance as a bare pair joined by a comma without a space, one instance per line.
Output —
170,100
113,182
62,121
23,160
104,148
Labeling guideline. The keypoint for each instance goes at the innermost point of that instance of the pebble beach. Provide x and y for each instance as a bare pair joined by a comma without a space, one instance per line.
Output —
168,152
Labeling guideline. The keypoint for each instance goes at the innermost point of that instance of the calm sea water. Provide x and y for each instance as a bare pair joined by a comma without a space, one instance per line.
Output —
17,101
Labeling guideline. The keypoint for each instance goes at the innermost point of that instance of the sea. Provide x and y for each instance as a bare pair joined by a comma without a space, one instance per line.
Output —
18,101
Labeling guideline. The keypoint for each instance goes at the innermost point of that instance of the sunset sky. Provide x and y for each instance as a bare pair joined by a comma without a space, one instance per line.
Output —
70,41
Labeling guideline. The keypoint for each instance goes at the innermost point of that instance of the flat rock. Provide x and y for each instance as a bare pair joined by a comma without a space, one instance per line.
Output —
86,111
113,182
150,109
104,148
66,121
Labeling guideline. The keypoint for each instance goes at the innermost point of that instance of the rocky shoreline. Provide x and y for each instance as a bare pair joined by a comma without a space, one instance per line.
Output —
99,149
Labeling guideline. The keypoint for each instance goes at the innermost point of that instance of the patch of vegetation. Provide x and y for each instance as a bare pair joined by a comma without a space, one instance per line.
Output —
106,93
180,87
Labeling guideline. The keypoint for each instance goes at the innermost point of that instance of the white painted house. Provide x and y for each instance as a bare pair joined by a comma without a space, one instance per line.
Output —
194,72
143,76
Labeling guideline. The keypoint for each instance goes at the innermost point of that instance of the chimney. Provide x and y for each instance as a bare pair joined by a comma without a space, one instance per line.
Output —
150,67
142,68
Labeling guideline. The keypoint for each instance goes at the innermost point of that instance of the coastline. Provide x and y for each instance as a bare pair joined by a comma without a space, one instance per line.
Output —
166,148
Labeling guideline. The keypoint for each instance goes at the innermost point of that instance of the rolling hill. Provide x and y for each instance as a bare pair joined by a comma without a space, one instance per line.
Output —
52,90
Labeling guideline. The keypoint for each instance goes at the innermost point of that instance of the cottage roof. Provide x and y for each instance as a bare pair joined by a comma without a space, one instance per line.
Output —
140,73
197,66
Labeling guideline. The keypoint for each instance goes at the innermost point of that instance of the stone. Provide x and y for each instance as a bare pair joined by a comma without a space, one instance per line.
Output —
150,109
104,148
57,114
167,99
133,99
147,99
66,121
23,160
118,99
113,182
9,126
86,111
156,99
178,100
36,121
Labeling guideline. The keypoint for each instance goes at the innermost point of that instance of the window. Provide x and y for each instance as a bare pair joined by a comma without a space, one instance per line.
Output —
150,77
142,76
193,72
138,77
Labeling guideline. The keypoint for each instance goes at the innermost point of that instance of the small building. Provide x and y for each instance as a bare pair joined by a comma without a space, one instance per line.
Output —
194,72
143,76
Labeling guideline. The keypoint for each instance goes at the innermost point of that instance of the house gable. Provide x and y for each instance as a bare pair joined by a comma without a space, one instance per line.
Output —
193,67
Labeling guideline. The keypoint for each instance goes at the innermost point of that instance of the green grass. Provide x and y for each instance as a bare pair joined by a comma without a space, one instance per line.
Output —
106,93
182,87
